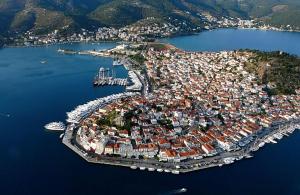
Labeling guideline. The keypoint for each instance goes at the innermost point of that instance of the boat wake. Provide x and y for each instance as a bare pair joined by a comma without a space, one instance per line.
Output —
5,115
178,191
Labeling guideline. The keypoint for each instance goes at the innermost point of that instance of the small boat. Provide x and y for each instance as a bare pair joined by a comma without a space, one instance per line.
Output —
117,63
43,62
61,135
167,171
160,170
142,168
228,160
133,167
151,169
272,140
182,190
175,172
261,144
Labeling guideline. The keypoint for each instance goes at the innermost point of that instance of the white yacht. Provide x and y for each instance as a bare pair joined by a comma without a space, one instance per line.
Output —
117,63
55,126
133,167
228,160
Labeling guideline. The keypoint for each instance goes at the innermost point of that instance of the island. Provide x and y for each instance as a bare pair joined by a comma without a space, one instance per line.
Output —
190,111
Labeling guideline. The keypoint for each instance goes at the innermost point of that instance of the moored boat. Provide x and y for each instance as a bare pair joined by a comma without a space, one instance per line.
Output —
133,167
55,126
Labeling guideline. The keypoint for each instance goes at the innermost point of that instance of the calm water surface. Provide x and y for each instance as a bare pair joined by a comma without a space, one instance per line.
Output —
36,162
231,39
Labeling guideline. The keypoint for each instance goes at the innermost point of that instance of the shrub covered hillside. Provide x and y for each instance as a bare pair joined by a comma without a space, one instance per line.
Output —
281,71
45,15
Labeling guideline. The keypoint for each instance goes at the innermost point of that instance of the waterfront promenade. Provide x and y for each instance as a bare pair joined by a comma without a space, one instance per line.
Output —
181,167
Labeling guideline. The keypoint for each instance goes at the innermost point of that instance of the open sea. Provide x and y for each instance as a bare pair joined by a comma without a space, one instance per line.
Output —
34,161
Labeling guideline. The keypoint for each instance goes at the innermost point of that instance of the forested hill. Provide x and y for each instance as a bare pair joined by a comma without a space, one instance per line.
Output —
46,15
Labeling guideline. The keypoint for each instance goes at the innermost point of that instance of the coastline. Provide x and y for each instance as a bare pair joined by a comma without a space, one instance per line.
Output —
181,167
155,39
224,158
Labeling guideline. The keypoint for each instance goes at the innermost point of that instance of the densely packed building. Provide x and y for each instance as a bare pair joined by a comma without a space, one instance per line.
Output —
202,104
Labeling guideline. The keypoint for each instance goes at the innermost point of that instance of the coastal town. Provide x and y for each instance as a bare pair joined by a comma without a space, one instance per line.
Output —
195,110
146,30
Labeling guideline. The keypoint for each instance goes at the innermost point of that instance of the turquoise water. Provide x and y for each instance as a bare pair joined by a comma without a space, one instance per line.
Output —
34,161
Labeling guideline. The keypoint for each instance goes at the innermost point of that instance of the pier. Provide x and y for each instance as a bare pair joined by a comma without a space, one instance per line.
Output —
107,77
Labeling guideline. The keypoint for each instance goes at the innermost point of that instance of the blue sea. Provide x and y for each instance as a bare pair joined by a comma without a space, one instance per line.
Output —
34,161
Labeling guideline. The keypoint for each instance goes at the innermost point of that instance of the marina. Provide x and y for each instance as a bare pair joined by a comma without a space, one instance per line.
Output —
107,77
84,110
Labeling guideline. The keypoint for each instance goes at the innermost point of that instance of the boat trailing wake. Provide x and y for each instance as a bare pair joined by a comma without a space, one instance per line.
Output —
5,115
178,191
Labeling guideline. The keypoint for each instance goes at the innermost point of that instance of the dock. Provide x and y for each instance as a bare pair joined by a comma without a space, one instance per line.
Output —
107,77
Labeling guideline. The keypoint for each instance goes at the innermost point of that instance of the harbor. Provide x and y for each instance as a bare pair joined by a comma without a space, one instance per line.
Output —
26,142
247,140
108,77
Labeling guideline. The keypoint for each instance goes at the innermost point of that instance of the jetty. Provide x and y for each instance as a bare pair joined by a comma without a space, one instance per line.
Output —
107,77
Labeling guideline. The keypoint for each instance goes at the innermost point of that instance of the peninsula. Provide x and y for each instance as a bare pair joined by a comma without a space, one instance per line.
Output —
192,110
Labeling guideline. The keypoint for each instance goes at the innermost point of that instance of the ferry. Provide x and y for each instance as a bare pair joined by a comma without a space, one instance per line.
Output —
55,126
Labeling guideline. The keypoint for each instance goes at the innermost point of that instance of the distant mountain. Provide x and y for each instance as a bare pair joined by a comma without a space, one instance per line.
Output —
43,16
